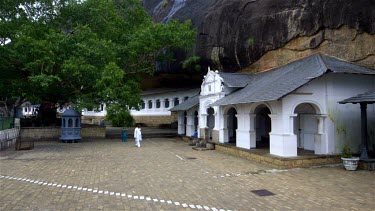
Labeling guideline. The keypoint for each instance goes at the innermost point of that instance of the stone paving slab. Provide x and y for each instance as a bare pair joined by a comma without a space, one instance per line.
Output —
166,174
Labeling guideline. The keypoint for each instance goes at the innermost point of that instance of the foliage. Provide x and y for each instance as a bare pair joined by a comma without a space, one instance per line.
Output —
346,152
5,123
250,41
84,52
192,63
165,3
119,116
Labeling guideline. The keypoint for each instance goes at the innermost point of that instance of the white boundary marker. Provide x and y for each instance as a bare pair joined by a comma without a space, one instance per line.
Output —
115,194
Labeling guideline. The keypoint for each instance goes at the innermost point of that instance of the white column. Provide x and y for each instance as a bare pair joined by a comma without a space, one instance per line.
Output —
282,143
217,115
223,132
321,126
190,125
202,124
243,131
181,125
253,137
170,103
291,123
320,142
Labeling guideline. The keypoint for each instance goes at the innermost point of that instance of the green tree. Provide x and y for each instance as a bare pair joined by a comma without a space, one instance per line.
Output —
86,52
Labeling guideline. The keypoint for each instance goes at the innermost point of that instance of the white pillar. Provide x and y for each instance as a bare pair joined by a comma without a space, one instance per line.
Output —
217,115
180,100
291,123
253,137
243,131
320,142
202,123
190,125
223,132
282,143
181,124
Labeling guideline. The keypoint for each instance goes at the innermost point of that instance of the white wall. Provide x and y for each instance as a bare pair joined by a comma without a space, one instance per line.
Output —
334,124
339,124
99,113
345,119
162,111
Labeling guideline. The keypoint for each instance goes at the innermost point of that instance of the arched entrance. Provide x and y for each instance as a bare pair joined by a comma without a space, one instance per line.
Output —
262,126
305,126
210,121
232,125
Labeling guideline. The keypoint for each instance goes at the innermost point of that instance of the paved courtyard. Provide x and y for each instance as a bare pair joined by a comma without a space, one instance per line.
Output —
166,174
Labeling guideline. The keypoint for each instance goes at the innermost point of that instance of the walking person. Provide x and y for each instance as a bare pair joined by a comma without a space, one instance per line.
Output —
138,136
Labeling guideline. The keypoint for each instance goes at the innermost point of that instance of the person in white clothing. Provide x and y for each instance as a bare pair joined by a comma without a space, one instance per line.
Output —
138,136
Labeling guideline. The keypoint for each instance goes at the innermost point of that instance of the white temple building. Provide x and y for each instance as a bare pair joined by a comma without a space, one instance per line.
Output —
154,109
284,109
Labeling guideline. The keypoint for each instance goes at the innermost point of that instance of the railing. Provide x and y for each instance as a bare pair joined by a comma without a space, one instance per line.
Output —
8,137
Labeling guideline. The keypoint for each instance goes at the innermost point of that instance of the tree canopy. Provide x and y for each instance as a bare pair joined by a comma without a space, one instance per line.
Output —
86,52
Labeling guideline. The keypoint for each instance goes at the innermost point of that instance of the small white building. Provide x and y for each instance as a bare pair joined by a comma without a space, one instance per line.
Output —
154,110
157,103
284,109
29,109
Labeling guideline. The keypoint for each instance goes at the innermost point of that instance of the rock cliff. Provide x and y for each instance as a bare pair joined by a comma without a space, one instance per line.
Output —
253,35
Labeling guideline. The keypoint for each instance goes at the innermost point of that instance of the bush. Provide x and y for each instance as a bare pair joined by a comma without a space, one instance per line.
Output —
120,117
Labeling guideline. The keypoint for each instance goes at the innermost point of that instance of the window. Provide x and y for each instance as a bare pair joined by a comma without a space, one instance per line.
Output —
176,102
77,122
209,88
25,109
166,103
101,107
70,122
143,105
157,103
149,104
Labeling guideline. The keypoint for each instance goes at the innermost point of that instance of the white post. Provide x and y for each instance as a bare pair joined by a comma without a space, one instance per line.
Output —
243,131
181,124
291,124
320,143
253,136
190,124
282,143
225,132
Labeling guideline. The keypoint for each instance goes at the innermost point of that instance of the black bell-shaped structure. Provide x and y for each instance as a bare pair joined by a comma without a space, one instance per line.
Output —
70,126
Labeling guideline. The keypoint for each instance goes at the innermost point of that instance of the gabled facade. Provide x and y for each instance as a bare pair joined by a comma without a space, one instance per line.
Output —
288,108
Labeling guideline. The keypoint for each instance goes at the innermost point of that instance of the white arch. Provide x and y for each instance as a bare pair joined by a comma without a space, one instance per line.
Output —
316,106
226,108
254,106
206,106
191,111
